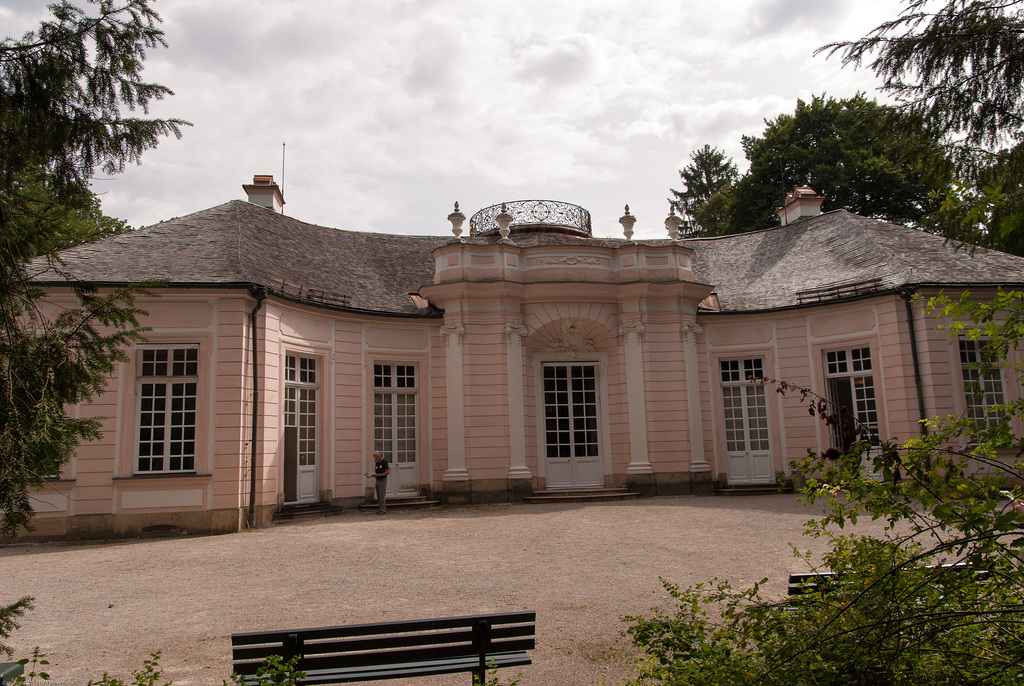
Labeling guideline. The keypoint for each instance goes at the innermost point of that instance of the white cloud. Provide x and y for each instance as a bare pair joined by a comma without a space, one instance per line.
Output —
393,110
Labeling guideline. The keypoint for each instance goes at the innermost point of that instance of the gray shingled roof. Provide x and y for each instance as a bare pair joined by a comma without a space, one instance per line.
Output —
837,253
236,244
241,244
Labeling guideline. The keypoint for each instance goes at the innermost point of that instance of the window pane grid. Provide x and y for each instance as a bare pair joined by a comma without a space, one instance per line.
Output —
300,413
852,394
394,412
570,411
744,406
167,410
300,369
983,387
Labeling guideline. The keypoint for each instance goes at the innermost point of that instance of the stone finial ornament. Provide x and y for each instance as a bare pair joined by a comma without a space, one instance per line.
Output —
457,219
673,222
627,220
504,220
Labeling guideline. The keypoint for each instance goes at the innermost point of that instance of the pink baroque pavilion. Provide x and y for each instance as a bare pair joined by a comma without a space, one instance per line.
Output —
526,357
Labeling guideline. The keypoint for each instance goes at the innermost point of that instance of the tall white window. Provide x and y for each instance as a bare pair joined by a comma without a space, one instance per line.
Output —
300,428
746,412
394,412
983,384
168,379
851,391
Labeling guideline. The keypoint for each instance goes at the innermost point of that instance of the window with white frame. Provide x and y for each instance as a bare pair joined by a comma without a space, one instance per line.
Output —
168,380
746,410
394,412
570,411
851,392
300,410
983,384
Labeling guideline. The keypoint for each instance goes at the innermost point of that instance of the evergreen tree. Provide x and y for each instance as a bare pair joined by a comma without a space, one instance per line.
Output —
959,66
709,172
65,90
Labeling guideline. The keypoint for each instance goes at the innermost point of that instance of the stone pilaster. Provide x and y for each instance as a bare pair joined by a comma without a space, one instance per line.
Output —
517,469
453,333
639,463
698,463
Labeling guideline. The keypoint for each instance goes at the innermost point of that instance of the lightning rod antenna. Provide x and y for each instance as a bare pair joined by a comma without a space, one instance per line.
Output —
282,172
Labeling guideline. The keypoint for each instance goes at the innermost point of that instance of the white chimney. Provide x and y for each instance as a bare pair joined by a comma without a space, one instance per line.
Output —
803,202
265,193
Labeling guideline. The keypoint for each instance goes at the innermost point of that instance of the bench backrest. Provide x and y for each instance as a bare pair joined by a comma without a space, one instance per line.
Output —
388,643
807,582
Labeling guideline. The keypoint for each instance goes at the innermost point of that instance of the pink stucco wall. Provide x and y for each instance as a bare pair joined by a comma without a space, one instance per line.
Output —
559,307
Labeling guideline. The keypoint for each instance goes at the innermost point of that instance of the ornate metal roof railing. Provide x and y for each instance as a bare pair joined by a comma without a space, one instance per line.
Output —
534,215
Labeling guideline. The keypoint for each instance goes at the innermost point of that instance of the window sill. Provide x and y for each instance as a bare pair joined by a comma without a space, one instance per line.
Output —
158,477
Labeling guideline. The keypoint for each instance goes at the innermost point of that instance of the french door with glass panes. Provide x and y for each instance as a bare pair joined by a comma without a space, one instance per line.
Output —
301,402
571,433
394,424
746,422
851,393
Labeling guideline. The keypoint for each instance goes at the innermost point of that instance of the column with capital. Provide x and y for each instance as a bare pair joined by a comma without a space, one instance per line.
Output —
639,463
456,472
517,469
698,463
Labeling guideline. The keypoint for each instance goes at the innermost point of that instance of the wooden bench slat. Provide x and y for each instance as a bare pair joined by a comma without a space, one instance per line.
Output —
342,631
385,641
807,582
350,660
412,669
386,650
400,656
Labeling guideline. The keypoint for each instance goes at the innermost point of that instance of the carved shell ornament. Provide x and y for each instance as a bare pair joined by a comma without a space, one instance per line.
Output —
570,340
572,260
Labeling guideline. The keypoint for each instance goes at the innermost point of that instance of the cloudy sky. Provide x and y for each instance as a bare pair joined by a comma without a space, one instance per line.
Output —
391,110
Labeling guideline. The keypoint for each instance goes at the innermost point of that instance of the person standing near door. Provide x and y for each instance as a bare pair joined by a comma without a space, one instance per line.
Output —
381,469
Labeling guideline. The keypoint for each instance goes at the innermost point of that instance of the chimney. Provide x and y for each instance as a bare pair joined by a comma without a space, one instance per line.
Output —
265,193
802,203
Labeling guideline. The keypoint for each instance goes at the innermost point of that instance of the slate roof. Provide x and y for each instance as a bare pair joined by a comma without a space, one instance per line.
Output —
237,244
242,244
838,254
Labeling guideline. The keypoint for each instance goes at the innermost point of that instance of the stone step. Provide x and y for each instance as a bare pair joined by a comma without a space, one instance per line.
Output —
580,495
752,489
579,491
413,502
306,511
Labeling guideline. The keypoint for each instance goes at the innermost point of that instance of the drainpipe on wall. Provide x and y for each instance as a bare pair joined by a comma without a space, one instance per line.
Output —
908,292
260,294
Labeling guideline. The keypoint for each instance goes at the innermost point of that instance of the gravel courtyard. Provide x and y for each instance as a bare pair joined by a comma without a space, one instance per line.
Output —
107,606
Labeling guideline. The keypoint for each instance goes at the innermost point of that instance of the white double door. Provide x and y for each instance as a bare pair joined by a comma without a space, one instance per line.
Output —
571,433
746,428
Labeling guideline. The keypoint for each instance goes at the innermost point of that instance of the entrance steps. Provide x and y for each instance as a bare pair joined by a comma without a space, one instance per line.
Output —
305,511
753,489
403,502
580,495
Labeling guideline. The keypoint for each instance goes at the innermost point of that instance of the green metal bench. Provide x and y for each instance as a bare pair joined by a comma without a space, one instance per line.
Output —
393,650
810,582
807,582
9,671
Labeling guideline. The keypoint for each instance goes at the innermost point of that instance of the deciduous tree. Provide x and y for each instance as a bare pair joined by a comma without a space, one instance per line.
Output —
864,157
